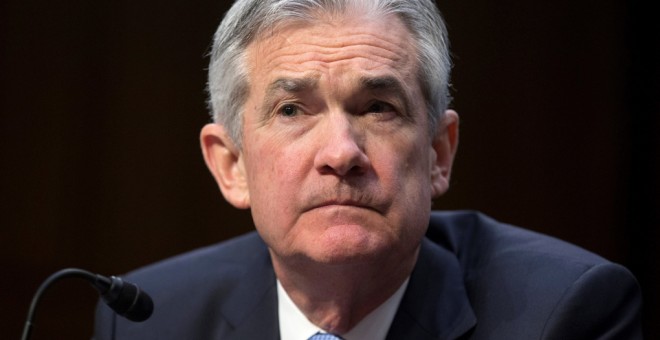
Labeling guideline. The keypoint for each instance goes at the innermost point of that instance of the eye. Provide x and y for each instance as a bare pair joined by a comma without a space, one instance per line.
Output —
289,110
381,108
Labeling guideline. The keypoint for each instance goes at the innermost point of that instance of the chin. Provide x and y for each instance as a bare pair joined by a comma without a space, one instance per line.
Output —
349,244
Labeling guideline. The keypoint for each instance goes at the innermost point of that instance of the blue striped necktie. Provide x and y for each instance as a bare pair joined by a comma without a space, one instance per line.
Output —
324,336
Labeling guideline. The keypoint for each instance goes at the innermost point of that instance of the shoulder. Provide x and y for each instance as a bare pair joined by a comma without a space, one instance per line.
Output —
216,263
196,294
480,241
525,284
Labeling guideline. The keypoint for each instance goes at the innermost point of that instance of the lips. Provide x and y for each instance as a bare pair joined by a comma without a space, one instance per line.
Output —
344,196
344,203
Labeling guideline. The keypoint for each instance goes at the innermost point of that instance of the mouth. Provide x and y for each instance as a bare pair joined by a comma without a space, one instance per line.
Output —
343,203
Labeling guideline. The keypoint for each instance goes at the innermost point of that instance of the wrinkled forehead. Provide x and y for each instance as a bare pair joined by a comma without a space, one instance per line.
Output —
334,46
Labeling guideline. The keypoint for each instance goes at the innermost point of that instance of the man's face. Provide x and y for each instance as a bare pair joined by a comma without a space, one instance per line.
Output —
337,162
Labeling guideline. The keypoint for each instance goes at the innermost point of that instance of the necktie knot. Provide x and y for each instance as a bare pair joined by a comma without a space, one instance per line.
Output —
325,336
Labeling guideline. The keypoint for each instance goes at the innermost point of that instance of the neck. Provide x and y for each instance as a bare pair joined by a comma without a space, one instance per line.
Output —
336,297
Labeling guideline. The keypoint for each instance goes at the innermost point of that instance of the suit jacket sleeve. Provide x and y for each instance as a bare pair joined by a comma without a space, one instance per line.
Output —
603,303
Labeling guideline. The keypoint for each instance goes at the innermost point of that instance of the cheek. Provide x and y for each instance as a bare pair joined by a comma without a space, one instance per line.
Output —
403,164
404,173
405,177
274,178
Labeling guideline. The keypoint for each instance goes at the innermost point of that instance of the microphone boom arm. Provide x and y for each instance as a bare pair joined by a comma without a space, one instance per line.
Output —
125,298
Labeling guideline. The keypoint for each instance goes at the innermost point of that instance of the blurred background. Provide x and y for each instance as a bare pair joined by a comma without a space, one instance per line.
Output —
101,104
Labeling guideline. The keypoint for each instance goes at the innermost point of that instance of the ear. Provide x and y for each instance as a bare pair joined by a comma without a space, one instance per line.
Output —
225,162
444,146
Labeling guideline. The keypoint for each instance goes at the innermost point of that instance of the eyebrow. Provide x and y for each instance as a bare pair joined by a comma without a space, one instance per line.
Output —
293,85
387,83
384,84
287,85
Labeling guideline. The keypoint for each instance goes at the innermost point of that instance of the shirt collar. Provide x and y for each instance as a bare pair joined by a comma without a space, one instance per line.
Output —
294,325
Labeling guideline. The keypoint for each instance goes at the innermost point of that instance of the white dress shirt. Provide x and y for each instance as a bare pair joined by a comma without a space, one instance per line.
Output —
294,325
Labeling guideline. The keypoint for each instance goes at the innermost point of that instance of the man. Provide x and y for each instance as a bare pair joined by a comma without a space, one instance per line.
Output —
331,125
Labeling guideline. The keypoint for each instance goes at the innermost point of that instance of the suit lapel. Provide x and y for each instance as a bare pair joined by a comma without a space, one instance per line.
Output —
251,309
435,305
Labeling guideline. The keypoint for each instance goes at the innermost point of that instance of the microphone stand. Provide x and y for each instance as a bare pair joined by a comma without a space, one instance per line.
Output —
62,274
125,298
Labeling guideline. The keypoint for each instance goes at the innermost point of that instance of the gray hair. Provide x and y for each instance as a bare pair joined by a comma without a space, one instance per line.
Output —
246,20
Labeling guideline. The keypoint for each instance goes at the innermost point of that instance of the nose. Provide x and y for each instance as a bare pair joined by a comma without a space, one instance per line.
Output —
342,147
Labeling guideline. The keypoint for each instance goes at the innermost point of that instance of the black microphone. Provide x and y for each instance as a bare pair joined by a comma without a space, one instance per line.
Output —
125,298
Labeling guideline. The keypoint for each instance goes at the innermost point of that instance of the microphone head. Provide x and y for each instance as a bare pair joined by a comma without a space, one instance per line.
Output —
128,300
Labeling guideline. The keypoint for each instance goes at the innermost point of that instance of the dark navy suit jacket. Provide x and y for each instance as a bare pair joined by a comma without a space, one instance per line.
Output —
475,279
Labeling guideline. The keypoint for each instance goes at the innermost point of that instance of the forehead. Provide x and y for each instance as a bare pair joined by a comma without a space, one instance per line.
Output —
333,47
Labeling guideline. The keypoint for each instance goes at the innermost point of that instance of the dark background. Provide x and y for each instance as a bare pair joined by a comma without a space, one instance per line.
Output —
101,103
